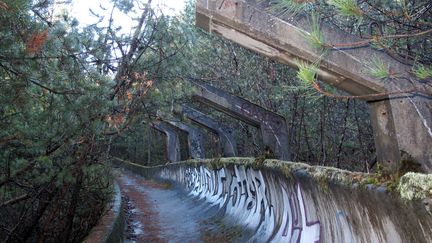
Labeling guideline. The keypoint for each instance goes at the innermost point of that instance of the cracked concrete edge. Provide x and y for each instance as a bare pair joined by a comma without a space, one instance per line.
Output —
412,186
111,225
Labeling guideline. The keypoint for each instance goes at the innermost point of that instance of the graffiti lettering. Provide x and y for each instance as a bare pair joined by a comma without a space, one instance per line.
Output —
275,210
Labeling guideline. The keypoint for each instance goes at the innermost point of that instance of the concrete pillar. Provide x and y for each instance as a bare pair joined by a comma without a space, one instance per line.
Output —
195,139
227,141
272,126
384,133
172,140
401,122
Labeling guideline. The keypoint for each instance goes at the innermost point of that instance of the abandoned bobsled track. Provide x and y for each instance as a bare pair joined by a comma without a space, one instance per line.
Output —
242,200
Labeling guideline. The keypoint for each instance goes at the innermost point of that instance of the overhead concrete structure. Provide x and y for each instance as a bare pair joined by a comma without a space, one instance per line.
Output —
401,122
226,139
195,139
195,136
272,126
172,140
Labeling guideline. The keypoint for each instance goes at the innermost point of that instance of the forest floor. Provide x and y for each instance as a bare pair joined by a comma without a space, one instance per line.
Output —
158,212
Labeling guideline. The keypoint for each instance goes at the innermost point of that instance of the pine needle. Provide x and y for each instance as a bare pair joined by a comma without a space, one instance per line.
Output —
422,72
348,8
378,69
290,6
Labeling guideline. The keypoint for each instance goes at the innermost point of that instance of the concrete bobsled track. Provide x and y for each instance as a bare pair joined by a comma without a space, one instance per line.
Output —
275,201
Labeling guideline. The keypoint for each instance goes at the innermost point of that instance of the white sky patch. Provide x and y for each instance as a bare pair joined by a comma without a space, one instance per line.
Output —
170,7
81,11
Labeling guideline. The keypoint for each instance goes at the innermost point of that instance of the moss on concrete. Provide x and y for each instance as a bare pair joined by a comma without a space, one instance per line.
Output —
238,160
415,186
193,162
411,186
215,164
319,173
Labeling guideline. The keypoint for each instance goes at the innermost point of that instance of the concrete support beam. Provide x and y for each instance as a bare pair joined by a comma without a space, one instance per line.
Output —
172,140
195,139
384,132
401,122
227,141
272,126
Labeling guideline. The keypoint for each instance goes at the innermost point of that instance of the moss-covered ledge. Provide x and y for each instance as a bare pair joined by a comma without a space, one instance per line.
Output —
288,169
411,186
415,186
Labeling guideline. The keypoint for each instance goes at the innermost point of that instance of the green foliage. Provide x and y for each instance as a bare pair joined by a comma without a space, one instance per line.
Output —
378,69
404,34
17,6
290,6
394,178
422,72
53,103
306,72
347,8
126,6
316,37
314,119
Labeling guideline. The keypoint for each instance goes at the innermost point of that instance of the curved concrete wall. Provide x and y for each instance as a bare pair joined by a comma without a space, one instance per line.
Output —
292,202
111,224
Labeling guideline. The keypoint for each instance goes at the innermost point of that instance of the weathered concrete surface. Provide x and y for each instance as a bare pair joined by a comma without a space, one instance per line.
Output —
294,202
400,122
110,226
195,139
172,140
195,135
227,140
162,212
273,127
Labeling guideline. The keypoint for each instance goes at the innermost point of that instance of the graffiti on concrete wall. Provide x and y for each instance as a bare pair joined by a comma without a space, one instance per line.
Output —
342,234
275,211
